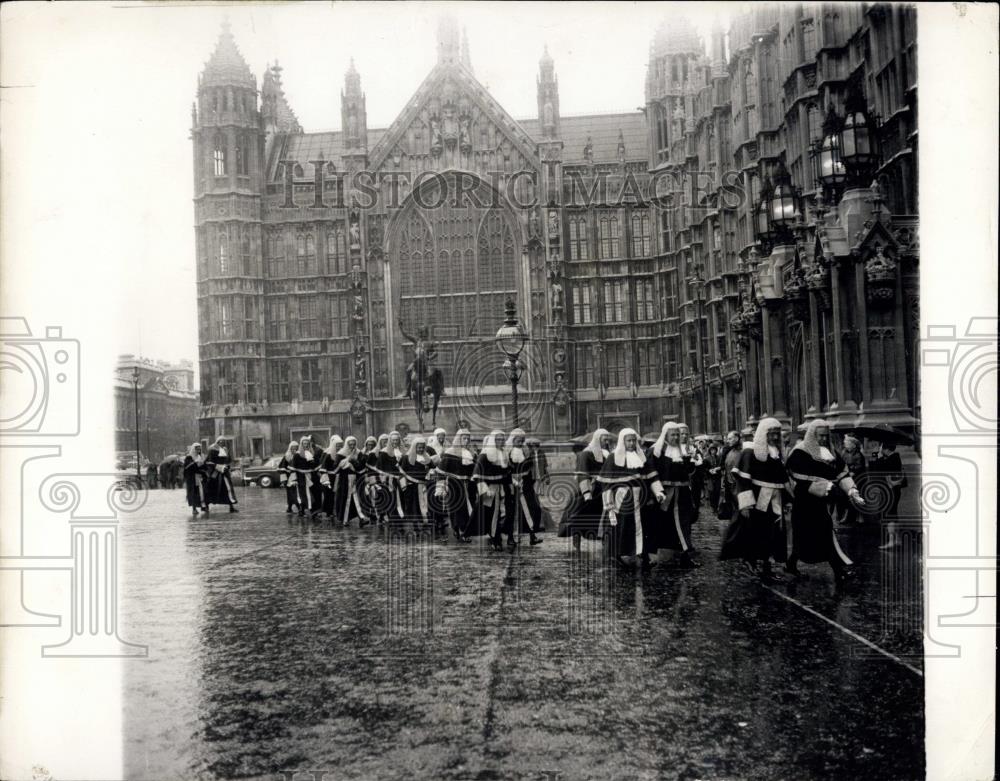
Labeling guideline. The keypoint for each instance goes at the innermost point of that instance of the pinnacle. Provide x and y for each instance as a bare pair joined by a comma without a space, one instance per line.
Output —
226,66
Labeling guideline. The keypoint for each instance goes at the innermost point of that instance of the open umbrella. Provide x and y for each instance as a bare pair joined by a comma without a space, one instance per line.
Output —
883,433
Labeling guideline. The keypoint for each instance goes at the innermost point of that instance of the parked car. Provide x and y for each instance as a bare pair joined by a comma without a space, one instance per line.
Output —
266,475
127,480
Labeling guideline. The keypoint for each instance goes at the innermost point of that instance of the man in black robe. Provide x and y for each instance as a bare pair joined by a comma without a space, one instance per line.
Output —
758,533
821,478
219,483
630,484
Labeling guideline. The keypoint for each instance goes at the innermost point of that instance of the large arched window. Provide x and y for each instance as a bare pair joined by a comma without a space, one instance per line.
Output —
578,249
219,155
336,250
609,238
456,265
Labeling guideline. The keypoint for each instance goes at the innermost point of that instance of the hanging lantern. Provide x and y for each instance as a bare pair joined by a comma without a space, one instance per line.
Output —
783,203
830,170
857,136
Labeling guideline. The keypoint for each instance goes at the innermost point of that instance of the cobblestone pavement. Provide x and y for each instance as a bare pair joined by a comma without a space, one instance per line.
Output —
281,645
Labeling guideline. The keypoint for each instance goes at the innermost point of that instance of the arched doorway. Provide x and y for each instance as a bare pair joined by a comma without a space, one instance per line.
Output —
455,257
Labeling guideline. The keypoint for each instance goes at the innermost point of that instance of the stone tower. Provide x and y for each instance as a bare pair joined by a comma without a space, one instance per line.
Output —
228,140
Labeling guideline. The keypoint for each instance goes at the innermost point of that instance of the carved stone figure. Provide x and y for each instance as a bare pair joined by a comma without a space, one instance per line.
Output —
558,300
435,134
534,226
355,231
465,133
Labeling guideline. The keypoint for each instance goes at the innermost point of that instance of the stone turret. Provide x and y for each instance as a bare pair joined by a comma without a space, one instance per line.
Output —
548,96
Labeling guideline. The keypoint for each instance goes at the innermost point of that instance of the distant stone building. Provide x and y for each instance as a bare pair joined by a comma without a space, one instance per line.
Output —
596,225
168,407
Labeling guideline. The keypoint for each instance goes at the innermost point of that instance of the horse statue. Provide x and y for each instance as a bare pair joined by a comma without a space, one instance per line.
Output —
424,382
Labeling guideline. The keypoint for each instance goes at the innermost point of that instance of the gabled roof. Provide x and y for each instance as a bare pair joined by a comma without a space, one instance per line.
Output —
473,90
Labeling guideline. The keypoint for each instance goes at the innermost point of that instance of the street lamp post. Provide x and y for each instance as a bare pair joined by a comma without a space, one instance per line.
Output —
698,287
135,396
510,341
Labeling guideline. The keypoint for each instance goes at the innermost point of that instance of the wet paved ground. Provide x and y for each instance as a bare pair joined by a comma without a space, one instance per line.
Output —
277,645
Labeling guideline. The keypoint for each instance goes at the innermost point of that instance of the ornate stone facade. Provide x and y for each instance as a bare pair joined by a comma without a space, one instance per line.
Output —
312,247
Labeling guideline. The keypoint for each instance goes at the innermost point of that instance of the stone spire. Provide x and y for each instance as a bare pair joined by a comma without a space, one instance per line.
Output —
276,114
226,67
353,112
448,43
718,49
548,96
466,58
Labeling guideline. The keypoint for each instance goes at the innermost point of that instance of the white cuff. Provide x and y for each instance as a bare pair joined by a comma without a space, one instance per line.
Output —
847,485
820,488
745,499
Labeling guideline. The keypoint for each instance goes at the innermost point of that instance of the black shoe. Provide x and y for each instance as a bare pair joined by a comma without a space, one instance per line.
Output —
793,570
194,512
232,508
843,575
685,561
535,541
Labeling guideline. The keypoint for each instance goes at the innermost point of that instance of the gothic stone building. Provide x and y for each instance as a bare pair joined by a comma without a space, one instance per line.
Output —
629,242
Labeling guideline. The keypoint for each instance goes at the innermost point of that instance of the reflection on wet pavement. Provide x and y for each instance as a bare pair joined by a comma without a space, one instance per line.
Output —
277,645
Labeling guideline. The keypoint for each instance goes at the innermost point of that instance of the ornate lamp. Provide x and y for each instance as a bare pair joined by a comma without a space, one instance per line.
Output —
857,137
783,203
830,170
511,338
510,341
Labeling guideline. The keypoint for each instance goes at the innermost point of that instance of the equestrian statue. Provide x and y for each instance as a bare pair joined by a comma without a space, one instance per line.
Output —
423,380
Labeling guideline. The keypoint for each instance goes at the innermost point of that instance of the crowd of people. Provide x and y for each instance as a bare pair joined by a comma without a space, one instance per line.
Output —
207,479
642,501
639,498
424,485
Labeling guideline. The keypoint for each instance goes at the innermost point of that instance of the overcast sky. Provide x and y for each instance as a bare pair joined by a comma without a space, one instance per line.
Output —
101,98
